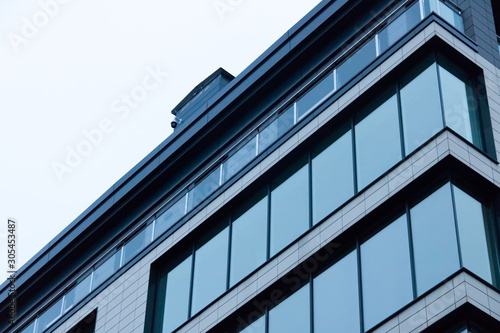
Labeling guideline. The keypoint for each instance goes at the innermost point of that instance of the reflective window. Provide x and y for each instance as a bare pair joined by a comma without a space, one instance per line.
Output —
421,109
399,27
276,129
210,271
249,241
237,161
293,314
259,326
49,316
378,144
289,210
204,188
106,269
451,16
434,239
332,176
315,95
173,214
177,296
472,231
356,62
459,106
137,243
29,329
386,272
336,298
77,293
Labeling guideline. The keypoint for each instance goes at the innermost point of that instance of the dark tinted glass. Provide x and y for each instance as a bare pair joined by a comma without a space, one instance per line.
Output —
106,269
386,272
276,129
336,298
332,177
210,271
240,158
315,95
137,243
356,62
204,188
173,214
177,296
421,108
399,27
378,142
434,239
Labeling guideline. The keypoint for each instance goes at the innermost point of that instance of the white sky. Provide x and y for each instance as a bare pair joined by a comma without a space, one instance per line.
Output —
68,72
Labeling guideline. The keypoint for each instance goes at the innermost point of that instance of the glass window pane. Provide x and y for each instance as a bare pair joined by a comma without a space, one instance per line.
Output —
356,62
315,95
472,235
289,210
204,188
248,242
332,177
168,218
259,326
240,158
137,243
106,269
450,16
77,293
430,6
292,315
455,104
378,143
336,297
399,27
49,316
177,296
421,109
276,129
434,239
386,272
210,271
29,328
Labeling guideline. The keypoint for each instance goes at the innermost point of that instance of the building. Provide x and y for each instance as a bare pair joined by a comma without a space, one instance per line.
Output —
346,181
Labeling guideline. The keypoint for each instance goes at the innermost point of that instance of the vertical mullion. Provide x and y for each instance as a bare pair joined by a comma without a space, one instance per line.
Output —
191,283
456,224
266,319
400,115
412,253
268,245
440,91
230,236
311,304
360,287
354,160
310,189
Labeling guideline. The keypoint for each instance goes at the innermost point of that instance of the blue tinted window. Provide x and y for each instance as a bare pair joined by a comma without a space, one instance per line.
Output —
137,243
173,214
336,297
204,188
49,316
315,95
386,272
292,315
77,293
29,328
332,177
378,144
106,269
289,210
434,239
249,241
472,231
177,296
451,16
276,129
210,271
421,109
259,326
240,158
399,27
356,62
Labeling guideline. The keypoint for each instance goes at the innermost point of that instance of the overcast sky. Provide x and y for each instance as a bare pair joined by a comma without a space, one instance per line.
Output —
86,90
